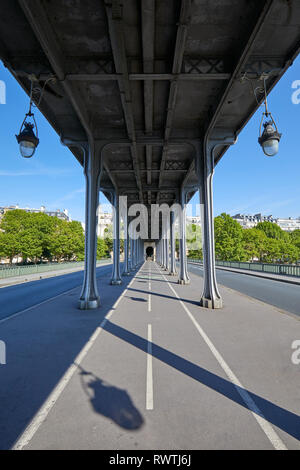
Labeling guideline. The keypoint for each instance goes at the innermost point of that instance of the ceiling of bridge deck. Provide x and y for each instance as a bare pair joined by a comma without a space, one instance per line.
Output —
150,69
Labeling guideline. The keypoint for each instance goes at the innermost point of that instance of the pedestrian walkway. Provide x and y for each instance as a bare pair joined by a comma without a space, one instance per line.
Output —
12,281
263,275
151,370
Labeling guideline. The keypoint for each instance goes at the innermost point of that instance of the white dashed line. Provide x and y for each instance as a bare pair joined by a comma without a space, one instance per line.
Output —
42,414
249,402
149,385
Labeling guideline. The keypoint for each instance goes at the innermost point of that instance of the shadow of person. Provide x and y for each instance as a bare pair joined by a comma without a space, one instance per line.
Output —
111,402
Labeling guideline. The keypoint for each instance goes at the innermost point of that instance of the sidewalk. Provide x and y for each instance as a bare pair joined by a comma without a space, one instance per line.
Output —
11,281
150,370
274,277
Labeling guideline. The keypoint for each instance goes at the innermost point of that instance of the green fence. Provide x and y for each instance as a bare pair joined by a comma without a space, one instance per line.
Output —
284,269
13,270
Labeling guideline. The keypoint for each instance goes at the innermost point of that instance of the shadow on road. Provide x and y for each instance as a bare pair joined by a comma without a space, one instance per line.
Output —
137,299
111,402
280,417
165,296
41,345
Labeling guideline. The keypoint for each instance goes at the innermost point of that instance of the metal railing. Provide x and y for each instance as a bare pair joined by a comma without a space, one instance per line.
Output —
14,271
284,269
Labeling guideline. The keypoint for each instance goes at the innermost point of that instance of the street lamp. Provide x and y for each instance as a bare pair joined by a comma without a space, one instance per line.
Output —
27,139
28,135
269,138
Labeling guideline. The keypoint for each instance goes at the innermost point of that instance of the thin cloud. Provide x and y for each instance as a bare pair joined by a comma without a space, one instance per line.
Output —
68,197
41,172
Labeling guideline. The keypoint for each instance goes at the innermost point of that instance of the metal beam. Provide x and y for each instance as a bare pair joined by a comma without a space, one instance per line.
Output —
176,69
241,62
147,77
39,22
148,21
114,17
245,53
144,170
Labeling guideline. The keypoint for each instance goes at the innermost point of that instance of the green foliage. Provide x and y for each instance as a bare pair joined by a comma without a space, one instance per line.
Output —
295,238
272,230
266,242
196,254
37,237
254,242
228,239
193,237
9,245
102,249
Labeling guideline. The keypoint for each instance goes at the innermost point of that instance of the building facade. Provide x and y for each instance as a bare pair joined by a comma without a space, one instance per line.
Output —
250,221
105,219
63,215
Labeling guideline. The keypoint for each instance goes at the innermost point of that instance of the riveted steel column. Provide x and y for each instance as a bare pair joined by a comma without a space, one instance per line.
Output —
161,252
173,271
167,252
116,278
126,242
163,247
132,252
89,297
211,297
183,273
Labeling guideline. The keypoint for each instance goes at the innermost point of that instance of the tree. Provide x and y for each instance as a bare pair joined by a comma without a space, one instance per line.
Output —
228,239
254,243
37,236
272,230
289,253
272,252
30,244
9,245
66,241
295,238
102,249
193,237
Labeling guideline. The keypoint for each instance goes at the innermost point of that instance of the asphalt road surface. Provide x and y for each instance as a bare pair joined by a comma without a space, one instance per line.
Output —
14,299
150,369
280,294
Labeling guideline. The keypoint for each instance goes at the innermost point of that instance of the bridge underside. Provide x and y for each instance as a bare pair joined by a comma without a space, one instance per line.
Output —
148,95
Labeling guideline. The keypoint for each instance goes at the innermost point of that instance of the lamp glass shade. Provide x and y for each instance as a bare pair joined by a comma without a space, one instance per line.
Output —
270,147
27,148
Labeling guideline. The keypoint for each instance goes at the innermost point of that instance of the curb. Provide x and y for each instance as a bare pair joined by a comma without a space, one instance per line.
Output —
45,276
251,273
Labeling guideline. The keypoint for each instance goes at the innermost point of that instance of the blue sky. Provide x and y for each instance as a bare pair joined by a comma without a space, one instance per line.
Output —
245,180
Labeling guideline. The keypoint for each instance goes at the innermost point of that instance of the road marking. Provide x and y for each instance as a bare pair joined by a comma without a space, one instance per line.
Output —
14,315
149,385
251,405
149,303
43,412
36,305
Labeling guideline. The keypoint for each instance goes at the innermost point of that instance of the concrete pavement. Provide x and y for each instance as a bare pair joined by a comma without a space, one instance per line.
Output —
160,372
262,275
12,281
19,297
284,296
